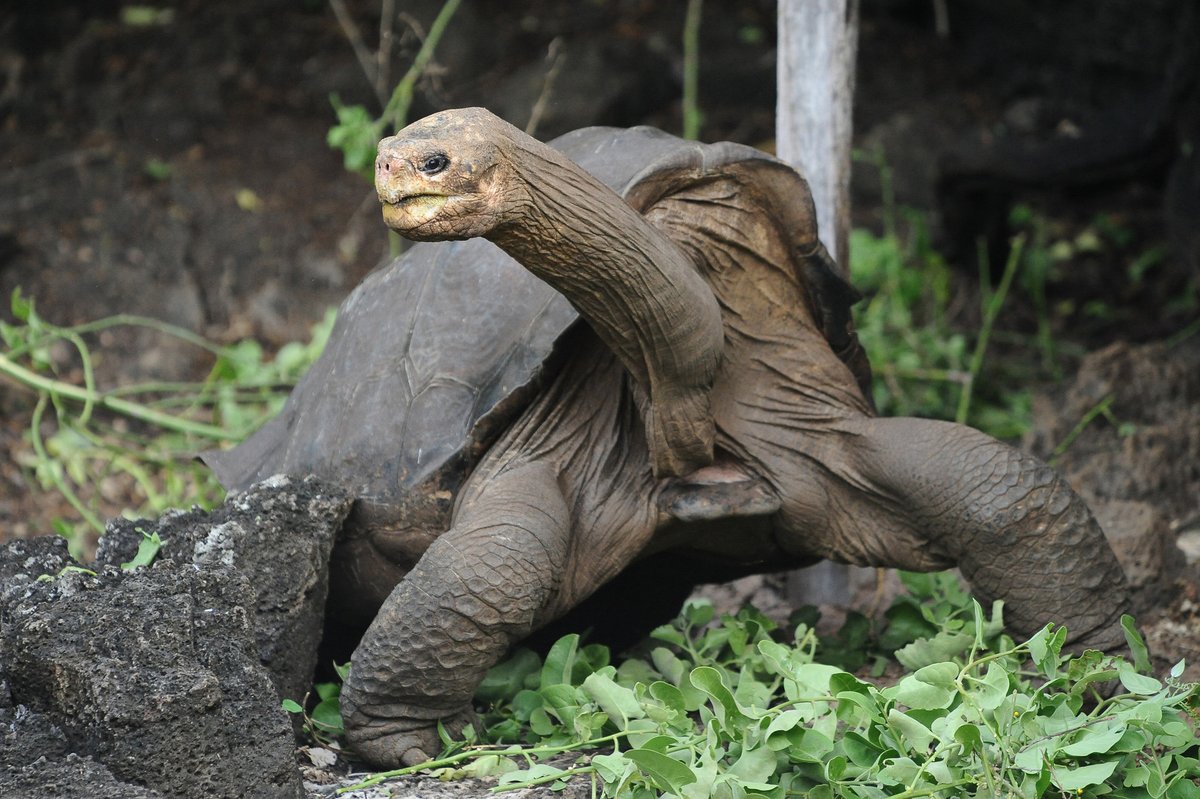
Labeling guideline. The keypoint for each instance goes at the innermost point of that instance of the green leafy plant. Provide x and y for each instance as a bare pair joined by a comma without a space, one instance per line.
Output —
148,549
726,707
144,436
324,723
357,131
926,361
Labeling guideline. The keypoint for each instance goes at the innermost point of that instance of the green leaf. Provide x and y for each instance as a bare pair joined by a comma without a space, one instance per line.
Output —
710,681
667,712
1092,741
564,701
814,679
917,736
755,765
1083,776
560,661
504,680
292,706
787,732
488,766
541,723
1137,683
22,309
993,688
968,736
1175,734
327,717
618,702
899,771
1045,648
906,624
1032,758
612,768
665,772
1137,646
525,702
356,134
698,612
928,688
328,690
148,549
861,751
669,695
927,651
636,670
669,665
1184,788
538,771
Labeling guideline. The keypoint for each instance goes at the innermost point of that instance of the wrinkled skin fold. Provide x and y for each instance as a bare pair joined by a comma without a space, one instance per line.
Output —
712,405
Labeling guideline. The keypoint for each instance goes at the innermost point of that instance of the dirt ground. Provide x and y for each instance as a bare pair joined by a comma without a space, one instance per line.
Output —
172,162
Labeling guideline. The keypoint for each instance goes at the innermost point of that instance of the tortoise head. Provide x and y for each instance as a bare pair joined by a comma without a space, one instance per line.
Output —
447,176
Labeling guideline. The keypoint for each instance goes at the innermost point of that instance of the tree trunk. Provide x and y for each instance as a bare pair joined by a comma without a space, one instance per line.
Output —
818,41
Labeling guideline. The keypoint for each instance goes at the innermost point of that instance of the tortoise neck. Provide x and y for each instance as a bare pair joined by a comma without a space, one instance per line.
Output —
579,235
636,288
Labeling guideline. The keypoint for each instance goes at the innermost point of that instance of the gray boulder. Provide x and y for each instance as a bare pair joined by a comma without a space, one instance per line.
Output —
278,534
163,679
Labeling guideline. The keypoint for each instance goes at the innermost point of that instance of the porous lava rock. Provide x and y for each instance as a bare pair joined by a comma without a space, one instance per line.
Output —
154,680
279,534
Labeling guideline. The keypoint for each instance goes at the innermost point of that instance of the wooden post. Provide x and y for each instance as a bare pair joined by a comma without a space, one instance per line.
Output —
818,41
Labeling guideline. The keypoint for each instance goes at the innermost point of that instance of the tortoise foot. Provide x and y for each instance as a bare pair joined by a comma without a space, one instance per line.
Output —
388,743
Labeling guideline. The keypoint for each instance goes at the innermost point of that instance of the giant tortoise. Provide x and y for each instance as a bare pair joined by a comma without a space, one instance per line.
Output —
511,457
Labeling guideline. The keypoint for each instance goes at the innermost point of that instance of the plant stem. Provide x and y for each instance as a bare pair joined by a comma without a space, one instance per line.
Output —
571,772
396,111
995,303
57,388
692,117
1101,408
55,475
350,29
470,754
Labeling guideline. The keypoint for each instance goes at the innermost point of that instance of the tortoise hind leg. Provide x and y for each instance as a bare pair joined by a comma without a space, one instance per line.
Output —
478,588
940,494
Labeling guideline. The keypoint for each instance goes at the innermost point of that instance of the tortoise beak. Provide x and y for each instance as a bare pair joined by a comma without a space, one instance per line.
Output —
412,210
395,177
406,197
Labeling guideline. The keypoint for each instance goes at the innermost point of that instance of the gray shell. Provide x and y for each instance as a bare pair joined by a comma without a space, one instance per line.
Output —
434,354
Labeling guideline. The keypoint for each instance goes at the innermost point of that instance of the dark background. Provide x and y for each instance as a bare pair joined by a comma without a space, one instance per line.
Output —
179,169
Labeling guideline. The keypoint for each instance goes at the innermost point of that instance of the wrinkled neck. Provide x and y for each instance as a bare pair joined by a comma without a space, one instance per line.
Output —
584,240
636,288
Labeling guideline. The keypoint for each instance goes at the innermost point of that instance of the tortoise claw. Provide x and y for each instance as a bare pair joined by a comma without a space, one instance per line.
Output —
388,743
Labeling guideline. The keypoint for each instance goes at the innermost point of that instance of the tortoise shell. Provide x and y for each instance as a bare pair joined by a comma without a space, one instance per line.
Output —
436,352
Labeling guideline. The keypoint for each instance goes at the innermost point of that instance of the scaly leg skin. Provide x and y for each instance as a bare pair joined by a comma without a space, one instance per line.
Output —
941,494
478,588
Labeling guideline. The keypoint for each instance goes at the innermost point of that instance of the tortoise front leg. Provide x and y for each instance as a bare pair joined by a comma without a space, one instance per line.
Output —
480,587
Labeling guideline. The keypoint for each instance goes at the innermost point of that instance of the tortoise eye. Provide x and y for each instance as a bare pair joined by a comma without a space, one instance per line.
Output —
434,164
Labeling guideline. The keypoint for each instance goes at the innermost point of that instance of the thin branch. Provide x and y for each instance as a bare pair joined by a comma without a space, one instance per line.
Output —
383,58
57,388
397,107
554,56
991,311
691,70
365,59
